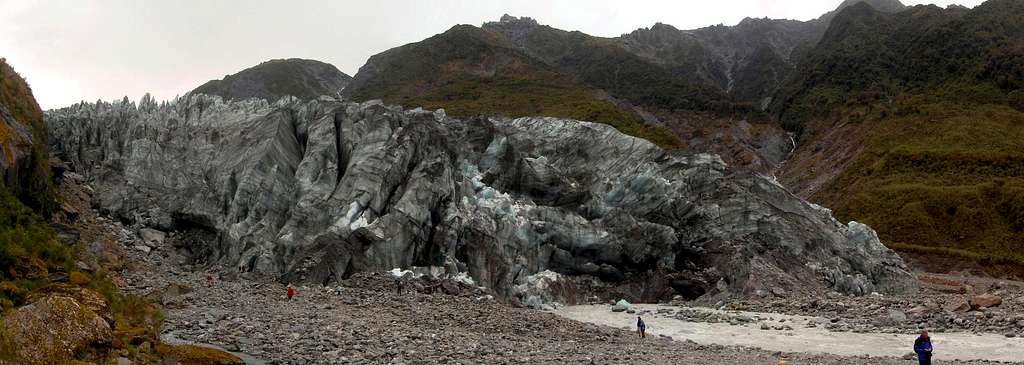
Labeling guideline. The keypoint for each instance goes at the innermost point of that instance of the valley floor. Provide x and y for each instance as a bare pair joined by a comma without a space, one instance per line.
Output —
364,321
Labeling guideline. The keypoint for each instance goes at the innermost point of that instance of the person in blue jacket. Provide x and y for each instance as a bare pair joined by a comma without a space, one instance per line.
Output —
641,327
923,348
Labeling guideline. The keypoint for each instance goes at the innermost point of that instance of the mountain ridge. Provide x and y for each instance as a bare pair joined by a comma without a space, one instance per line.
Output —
274,79
702,90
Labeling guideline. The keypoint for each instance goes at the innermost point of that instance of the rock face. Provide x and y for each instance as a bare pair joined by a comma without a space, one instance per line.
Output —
320,190
274,79
17,142
15,130
23,167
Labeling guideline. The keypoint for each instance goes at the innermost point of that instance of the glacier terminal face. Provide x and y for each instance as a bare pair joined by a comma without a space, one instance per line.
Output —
321,189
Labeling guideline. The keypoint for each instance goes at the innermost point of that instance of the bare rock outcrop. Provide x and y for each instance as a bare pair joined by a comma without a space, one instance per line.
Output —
322,189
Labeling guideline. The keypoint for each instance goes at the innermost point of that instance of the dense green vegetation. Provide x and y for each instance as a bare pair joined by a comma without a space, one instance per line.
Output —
949,178
936,94
516,97
29,250
469,71
867,58
604,64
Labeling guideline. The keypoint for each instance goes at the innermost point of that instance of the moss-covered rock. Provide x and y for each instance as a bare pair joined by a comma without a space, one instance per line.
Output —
54,329
196,355
88,298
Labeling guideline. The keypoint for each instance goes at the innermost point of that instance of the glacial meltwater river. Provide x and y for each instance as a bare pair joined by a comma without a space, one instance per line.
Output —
948,345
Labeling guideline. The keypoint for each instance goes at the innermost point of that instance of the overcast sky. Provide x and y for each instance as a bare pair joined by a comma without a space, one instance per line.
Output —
86,50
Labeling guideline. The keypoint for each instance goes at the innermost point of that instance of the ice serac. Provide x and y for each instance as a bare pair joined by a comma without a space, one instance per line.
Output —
319,190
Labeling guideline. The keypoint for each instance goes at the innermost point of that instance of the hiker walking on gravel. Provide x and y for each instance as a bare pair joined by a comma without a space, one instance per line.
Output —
641,327
400,284
291,291
923,348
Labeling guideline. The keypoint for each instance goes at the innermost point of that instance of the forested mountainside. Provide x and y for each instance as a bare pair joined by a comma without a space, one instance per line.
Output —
701,90
912,122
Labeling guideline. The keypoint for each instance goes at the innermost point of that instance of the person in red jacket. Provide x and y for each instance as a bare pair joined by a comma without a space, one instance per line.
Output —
291,292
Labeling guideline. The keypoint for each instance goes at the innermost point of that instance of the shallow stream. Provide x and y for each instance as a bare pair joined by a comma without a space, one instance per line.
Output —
948,346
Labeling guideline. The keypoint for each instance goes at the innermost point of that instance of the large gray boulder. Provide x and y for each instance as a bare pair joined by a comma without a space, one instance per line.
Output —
319,190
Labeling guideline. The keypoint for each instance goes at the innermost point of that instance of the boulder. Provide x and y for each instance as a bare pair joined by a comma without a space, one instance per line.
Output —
897,316
450,287
152,237
54,329
82,266
67,234
958,305
985,301
533,301
88,298
170,292
621,306
919,310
